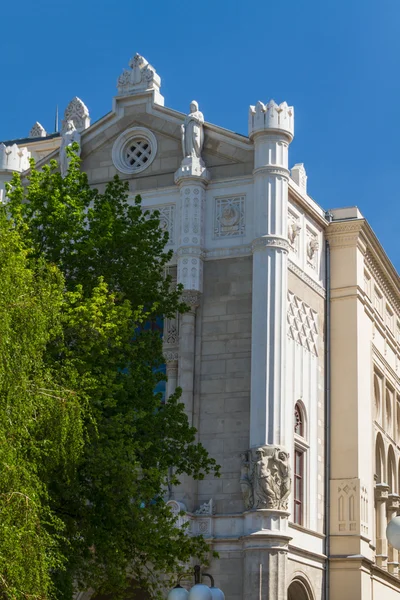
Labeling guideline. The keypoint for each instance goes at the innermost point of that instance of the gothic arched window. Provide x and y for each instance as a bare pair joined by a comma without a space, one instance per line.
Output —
299,471
298,421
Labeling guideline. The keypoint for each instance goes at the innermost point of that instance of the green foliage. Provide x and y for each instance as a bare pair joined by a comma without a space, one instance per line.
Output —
86,448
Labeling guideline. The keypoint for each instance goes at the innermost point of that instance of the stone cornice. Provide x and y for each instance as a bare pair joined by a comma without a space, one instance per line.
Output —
345,234
270,241
306,278
358,233
298,198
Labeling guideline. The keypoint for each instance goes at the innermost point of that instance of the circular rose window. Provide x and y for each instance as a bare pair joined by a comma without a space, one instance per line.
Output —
134,150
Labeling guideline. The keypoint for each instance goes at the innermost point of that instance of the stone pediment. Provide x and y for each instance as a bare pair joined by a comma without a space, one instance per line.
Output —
225,153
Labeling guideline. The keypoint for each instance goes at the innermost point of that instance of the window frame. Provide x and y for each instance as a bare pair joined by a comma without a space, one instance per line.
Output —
301,448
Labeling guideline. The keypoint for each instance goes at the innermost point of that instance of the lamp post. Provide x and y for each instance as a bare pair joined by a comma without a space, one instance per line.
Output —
199,591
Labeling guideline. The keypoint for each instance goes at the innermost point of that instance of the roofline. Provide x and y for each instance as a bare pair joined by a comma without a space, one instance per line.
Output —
29,140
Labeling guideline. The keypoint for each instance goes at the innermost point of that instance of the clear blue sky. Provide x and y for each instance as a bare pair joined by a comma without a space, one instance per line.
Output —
336,61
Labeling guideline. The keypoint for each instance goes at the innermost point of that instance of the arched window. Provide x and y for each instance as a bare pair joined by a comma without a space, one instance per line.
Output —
298,420
299,590
391,471
380,463
398,419
389,411
377,396
300,464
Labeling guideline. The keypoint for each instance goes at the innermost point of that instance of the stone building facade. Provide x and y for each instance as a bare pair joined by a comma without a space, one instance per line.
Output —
289,356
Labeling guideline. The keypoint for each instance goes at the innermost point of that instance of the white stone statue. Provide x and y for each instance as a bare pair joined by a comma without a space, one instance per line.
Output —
192,132
245,481
265,478
69,136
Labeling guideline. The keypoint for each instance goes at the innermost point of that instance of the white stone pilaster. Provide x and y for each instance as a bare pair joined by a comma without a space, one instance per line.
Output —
381,497
190,256
271,128
393,505
192,178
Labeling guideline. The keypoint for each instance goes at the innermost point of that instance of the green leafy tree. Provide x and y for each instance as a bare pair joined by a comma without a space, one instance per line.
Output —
102,467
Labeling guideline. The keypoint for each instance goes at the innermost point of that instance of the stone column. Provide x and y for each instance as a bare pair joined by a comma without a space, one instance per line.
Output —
187,337
192,178
393,504
171,358
381,497
267,463
271,129
190,273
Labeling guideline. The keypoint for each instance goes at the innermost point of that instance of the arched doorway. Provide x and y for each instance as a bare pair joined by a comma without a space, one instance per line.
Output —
298,591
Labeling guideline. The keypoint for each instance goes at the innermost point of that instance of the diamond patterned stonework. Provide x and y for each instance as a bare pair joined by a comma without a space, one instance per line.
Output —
302,324
137,153
229,219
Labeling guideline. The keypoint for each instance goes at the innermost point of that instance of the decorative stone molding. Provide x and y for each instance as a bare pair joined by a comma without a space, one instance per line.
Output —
207,508
78,113
167,220
177,508
37,131
265,478
13,158
273,170
229,216
191,251
271,116
349,507
171,356
191,298
294,229
299,176
273,241
312,247
306,278
390,292
364,510
302,324
232,252
171,334
190,272
140,77
191,240
134,150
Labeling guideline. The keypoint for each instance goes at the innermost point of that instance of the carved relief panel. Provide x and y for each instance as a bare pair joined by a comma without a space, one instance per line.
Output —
229,216
312,248
265,478
294,229
349,507
167,219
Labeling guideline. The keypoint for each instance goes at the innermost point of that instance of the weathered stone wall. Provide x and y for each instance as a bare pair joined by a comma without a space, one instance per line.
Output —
224,380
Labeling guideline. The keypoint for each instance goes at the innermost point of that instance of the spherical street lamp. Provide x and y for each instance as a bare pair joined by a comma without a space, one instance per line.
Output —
199,591
393,532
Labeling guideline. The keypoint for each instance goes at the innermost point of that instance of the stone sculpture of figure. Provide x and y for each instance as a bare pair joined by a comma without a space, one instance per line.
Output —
281,460
69,136
245,482
266,488
192,132
265,478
